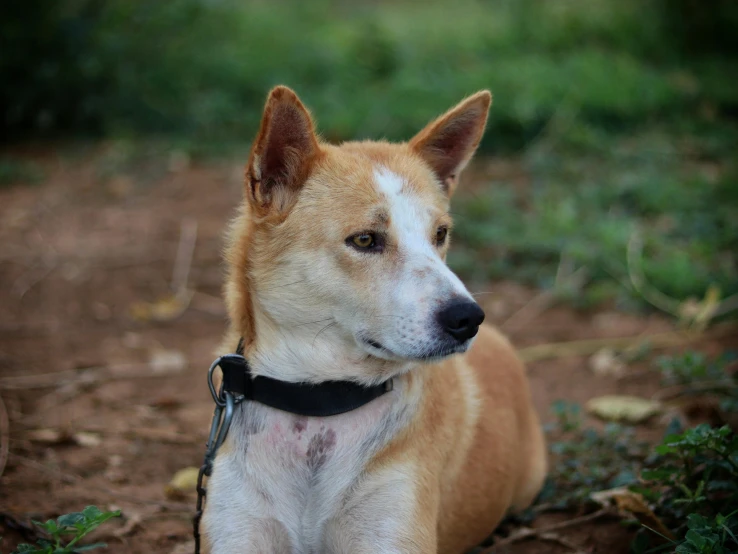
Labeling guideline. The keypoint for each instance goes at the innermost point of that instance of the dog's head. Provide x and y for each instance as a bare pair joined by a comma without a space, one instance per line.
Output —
337,263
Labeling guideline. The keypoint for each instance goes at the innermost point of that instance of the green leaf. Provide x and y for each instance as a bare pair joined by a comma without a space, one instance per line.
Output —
50,526
70,520
657,474
90,547
92,512
28,548
696,539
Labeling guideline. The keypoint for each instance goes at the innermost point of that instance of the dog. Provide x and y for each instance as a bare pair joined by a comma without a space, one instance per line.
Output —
336,272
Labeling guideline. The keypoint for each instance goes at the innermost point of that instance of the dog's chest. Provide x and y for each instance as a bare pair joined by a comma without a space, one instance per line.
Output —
297,471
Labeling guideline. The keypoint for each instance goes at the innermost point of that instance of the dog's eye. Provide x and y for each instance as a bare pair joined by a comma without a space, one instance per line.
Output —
365,241
441,233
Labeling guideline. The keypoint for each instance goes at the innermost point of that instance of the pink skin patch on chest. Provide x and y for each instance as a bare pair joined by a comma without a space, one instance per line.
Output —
313,440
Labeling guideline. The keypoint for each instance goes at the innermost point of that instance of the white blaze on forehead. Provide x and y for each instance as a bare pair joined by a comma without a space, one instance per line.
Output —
410,218
411,222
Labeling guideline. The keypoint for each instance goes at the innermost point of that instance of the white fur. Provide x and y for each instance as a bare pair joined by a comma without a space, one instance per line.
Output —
267,492
425,282
267,488
310,329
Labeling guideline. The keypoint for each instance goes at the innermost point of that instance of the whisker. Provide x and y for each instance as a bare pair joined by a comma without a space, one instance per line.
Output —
269,289
311,322
323,329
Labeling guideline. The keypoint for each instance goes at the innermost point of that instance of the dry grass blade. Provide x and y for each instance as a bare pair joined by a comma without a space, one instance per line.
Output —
587,347
4,436
541,302
548,531
185,251
638,279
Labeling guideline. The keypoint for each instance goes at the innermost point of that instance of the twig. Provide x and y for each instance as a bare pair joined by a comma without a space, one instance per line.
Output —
726,306
85,376
637,278
118,495
590,346
4,436
680,390
528,533
563,541
185,250
539,303
659,299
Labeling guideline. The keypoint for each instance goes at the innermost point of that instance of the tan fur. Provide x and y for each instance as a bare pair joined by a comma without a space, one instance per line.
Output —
472,448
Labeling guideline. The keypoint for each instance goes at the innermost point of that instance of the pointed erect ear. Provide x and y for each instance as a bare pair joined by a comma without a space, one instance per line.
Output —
282,153
448,143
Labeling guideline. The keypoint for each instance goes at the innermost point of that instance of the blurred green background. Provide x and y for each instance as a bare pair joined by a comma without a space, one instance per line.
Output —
618,117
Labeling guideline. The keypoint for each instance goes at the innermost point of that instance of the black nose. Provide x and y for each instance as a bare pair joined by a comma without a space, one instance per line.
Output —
461,319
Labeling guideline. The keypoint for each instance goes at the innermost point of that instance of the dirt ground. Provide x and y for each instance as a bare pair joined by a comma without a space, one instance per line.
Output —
106,396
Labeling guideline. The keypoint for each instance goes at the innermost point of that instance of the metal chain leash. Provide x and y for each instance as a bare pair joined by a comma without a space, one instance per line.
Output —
225,405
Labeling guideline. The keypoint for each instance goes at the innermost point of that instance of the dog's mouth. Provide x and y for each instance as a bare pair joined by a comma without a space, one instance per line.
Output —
379,350
374,344
377,347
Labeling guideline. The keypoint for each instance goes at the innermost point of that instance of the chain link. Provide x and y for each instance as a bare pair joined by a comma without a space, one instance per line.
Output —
225,404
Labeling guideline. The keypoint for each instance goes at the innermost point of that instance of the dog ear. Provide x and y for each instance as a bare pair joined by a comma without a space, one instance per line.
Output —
282,153
448,143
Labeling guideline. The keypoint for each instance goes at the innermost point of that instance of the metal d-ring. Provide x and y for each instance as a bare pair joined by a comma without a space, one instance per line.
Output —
227,418
211,385
220,426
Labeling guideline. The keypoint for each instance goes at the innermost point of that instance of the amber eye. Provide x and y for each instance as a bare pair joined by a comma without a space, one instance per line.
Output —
441,233
364,240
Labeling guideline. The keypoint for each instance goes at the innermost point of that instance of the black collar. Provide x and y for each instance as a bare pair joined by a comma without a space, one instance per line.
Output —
307,399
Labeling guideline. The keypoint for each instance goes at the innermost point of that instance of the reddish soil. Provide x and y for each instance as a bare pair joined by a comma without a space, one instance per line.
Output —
78,252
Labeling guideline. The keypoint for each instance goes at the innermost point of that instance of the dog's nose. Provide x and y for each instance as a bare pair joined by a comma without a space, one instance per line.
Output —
461,319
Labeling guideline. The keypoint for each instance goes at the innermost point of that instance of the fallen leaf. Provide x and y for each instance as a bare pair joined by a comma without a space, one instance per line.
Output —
631,409
63,436
631,503
167,361
166,308
50,436
84,438
182,483
606,363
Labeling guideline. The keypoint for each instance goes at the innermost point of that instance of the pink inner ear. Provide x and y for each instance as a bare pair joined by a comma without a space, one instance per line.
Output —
451,146
290,139
449,142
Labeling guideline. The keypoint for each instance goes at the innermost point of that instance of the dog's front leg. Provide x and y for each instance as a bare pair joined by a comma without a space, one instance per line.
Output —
391,511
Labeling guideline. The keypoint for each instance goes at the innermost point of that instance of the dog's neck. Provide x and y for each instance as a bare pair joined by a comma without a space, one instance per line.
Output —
314,353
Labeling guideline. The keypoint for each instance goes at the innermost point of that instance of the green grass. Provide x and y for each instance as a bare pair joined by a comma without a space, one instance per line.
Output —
622,115
588,192
202,68
66,532
689,481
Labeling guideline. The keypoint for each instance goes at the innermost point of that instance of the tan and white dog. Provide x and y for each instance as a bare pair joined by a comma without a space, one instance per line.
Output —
337,272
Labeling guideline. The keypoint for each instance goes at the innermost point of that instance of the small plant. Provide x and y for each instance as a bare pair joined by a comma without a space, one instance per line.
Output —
587,460
690,480
693,482
696,375
67,531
